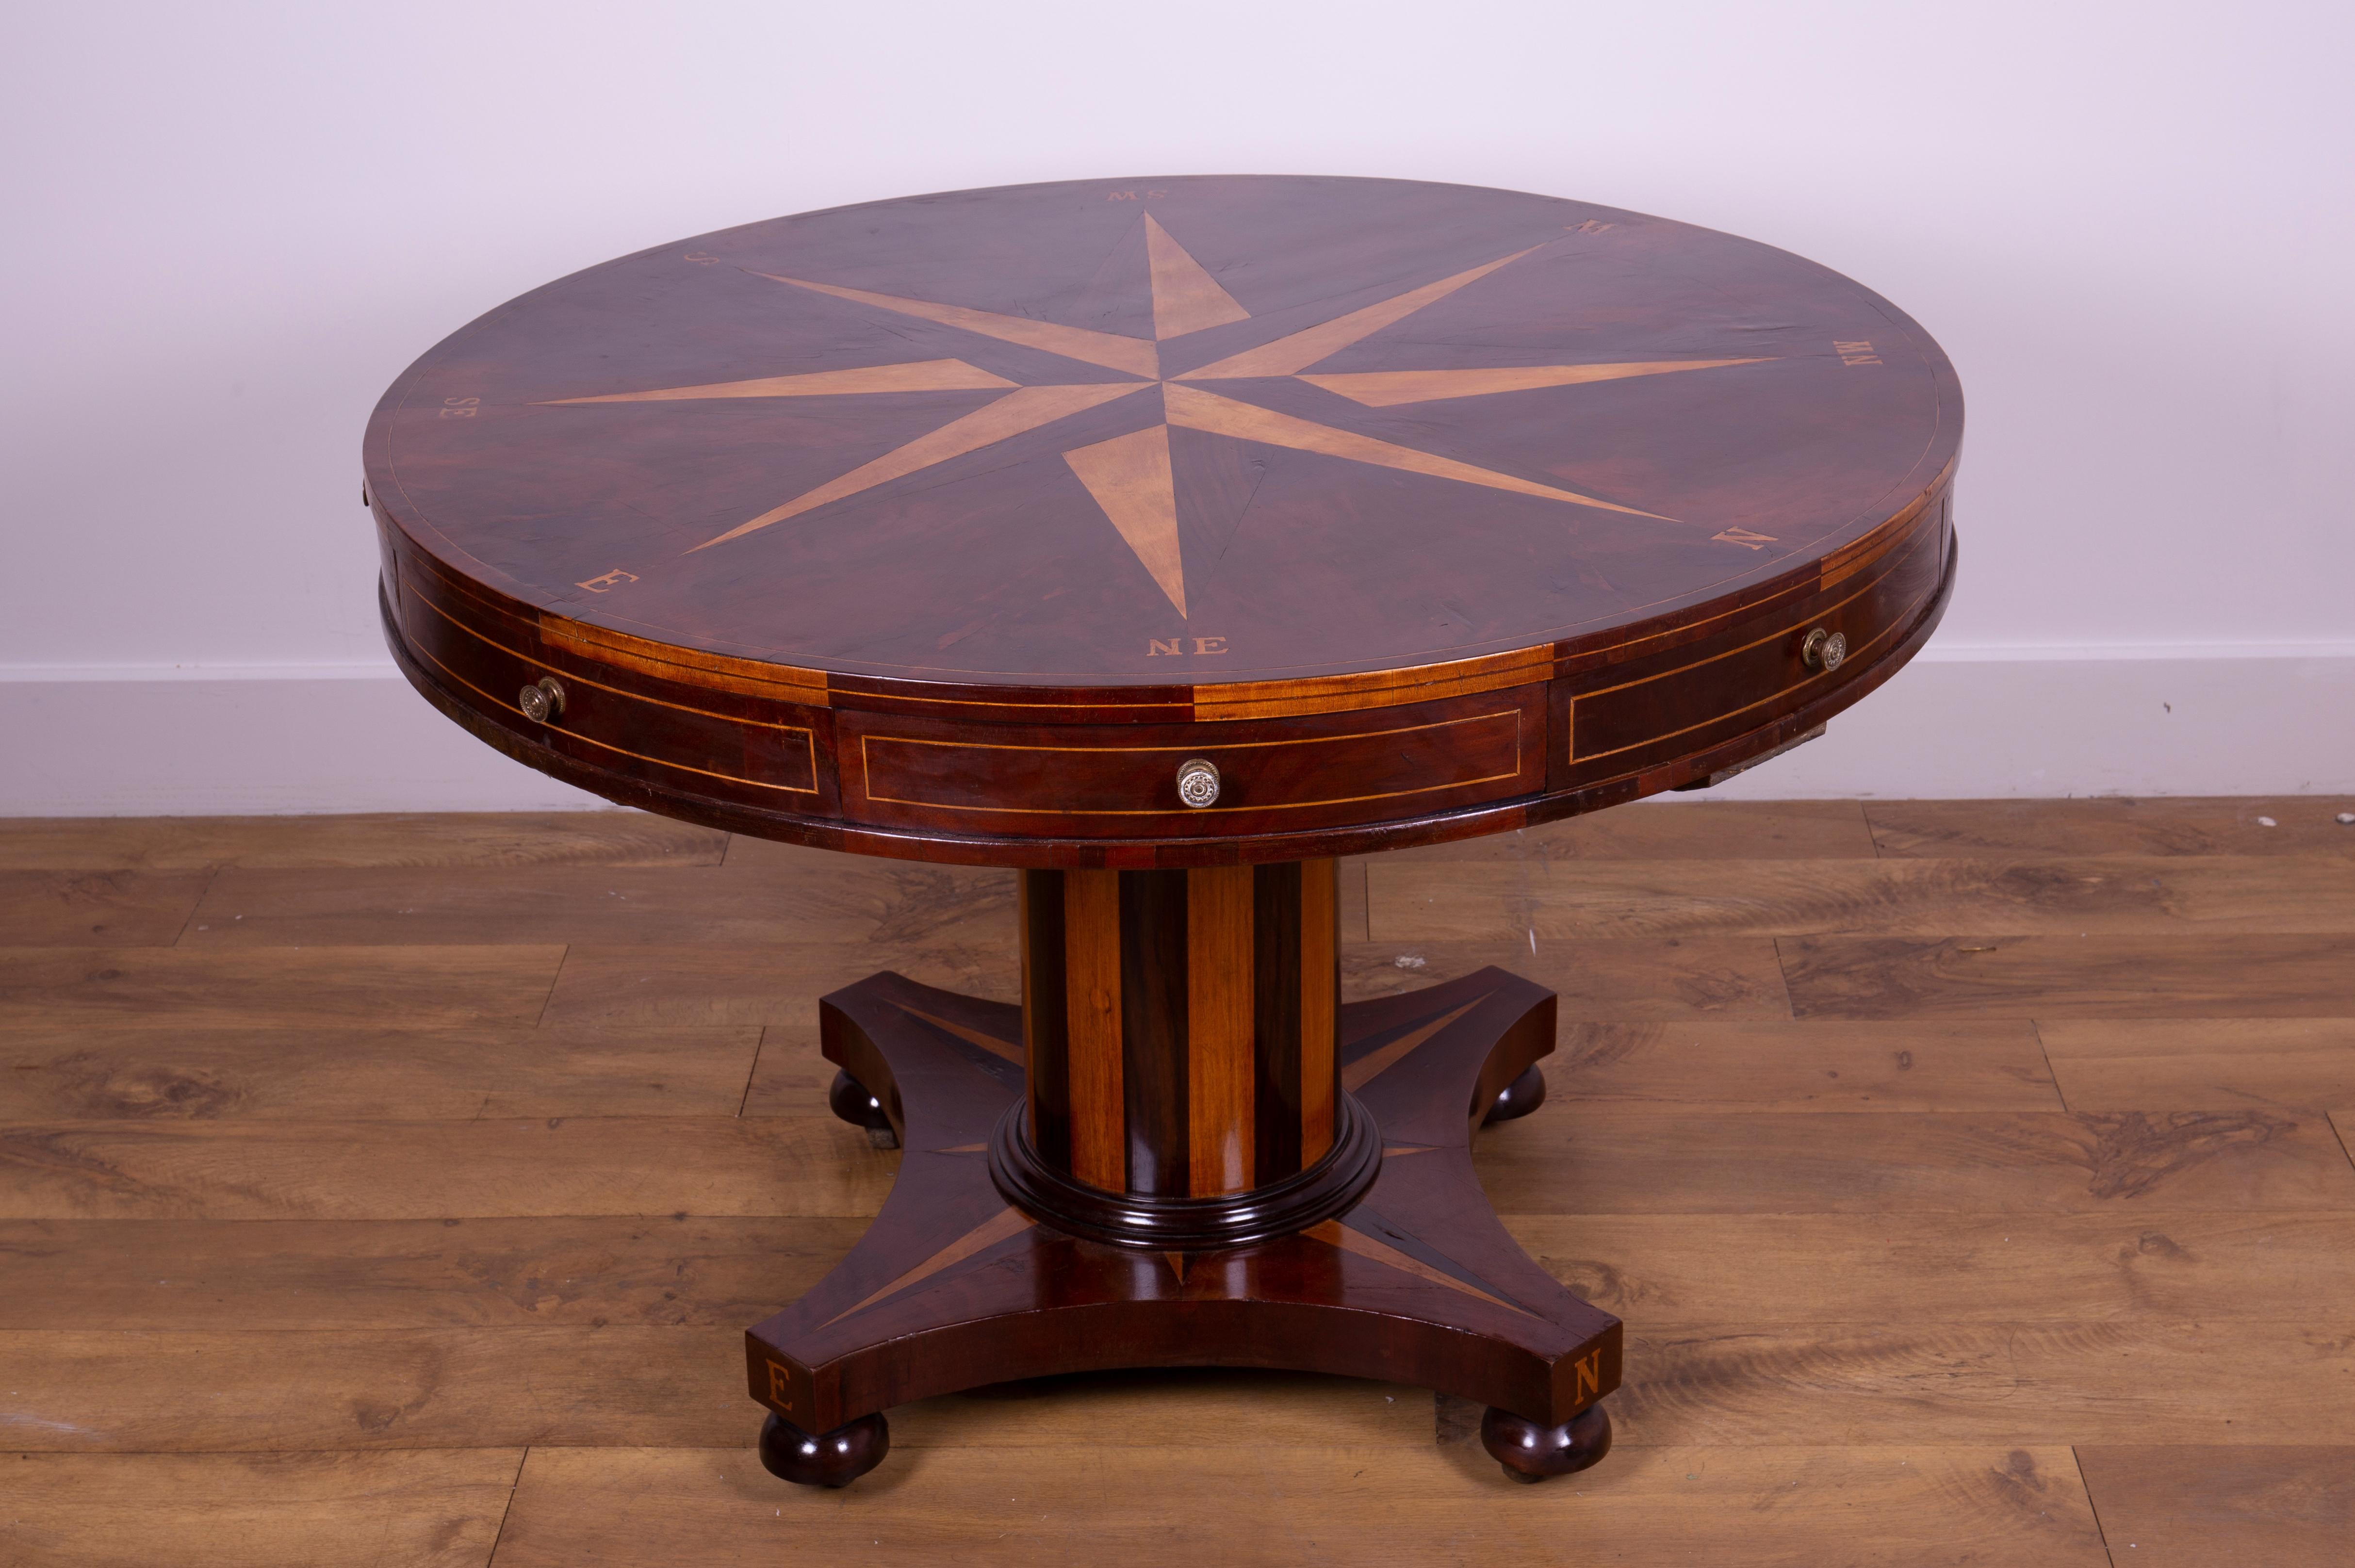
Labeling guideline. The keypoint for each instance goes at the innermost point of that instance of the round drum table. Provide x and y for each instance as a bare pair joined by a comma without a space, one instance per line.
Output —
1166,539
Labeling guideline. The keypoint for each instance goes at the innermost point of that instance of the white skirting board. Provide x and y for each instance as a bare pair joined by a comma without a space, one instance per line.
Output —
1958,725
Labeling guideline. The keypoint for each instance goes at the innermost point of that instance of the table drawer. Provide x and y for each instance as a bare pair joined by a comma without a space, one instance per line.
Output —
485,661
1119,781
1627,718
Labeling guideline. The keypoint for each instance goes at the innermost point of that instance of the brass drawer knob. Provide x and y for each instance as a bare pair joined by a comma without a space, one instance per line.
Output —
1823,650
542,701
1198,783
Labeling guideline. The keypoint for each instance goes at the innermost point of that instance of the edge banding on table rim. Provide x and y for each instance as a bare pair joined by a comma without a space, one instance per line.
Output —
1231,302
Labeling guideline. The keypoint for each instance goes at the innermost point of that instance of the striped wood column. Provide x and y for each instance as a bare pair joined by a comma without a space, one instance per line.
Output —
1179,1025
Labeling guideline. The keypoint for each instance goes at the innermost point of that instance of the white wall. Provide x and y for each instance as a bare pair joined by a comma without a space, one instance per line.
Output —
230,226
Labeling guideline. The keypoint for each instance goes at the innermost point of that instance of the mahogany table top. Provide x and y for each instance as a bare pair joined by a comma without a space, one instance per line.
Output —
1145,451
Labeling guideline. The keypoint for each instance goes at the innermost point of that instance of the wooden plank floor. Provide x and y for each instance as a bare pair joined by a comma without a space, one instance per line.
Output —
1973,1177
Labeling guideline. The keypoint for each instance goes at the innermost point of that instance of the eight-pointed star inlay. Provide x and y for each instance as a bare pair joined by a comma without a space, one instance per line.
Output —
1130,476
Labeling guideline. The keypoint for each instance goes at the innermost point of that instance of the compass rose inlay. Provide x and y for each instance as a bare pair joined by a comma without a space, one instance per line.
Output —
1133,478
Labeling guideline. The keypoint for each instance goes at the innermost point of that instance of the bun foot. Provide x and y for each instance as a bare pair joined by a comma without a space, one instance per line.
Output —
1530,1453
1518,1098
854,1105
836,1458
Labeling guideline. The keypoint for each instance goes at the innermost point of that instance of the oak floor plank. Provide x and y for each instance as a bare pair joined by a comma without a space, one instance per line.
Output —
2117,1381
1576,1160
1194,1407
2070,977
792,1077
92,1391
1322,1507
1712,1271
723,986
2188,824
349,1073
838,899
320,987
415,1170
1853,1383
2202,1063
422,1509
1829,1065
96,909
301,1274
1635,981
1442,901
1660,1270
1686,830
2187,1507
718,985
372,838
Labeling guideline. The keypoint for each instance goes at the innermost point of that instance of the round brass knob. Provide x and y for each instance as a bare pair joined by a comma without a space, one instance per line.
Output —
1198,783
542,701
1823,650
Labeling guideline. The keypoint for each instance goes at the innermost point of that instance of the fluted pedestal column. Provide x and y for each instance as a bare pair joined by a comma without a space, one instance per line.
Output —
1181,1031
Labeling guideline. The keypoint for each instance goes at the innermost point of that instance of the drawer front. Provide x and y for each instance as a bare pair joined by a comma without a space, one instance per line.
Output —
1119,781
1639,715
486,660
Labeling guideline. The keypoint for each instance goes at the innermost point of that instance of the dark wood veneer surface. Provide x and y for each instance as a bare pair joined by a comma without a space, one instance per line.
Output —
946,526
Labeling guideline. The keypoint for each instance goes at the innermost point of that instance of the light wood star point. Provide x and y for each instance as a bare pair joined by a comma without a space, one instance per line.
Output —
1185,298
1130,477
